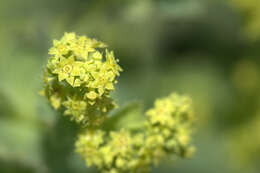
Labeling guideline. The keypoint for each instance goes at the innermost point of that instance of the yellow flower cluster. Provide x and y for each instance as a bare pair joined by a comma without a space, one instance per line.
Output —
167,132
113,153
80,75
169,126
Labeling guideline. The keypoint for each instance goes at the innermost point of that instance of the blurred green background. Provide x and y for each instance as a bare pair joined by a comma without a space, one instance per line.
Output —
206,49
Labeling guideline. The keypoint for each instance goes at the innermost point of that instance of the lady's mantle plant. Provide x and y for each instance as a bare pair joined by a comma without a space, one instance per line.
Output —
80,74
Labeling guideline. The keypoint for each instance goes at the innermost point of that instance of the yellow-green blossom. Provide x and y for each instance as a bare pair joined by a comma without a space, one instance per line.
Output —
79,76
77,108
116,152
88,145
167,132
85,70
169,125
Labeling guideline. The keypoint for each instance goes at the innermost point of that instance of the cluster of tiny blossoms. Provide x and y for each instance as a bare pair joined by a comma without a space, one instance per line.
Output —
112,152
169,126
79,76
166,133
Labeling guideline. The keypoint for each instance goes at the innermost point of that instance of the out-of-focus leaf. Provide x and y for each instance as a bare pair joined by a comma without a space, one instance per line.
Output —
127,117
19,143
58,147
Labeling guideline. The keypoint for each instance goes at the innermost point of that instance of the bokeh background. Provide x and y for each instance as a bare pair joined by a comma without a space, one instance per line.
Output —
209,50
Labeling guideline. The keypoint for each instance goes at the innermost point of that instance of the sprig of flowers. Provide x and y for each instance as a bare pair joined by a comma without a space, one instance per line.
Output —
167,132
169,125
80,74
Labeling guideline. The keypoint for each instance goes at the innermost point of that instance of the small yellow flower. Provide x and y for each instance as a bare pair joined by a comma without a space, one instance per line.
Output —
55,101
64,69
121,141
76,108
92,95
88,146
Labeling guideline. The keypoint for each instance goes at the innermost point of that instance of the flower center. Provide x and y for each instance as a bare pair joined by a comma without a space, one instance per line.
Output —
122,142
67,68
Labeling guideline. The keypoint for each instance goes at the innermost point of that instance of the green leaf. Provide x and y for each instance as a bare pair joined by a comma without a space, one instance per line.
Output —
20,143
128,117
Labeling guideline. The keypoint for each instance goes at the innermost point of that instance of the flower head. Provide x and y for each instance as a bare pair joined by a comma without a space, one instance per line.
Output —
169,125
167,132
116,152
81,70
88,145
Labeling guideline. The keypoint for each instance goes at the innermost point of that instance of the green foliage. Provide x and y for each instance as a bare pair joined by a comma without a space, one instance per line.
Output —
251,12
244,145
127,117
